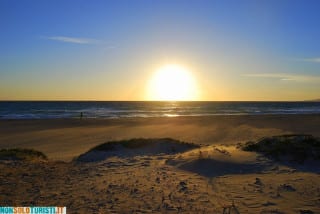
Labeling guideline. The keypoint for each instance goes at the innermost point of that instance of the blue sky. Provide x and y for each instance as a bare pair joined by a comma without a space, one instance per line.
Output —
108,50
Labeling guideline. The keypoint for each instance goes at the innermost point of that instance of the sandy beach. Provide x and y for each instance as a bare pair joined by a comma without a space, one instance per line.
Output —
203,180
63,139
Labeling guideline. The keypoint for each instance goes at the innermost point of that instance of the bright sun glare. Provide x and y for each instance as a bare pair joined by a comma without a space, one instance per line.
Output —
172,82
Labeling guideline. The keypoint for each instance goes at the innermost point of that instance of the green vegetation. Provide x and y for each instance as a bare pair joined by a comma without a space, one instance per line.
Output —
135,147
21,154
297,147
137,143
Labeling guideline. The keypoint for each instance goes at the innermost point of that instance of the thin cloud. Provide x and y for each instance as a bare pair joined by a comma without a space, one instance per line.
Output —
74,40
315,59
286,77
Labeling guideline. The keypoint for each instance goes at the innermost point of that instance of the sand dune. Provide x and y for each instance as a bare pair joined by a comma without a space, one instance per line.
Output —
215,161
135,147
163,184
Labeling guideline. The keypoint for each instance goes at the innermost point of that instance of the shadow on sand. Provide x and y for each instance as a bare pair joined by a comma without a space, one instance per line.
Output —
212,168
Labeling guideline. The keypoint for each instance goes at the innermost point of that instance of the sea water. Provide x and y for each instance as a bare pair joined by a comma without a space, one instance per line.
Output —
122,109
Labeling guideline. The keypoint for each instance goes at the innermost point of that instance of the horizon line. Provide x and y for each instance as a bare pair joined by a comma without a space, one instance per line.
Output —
311,100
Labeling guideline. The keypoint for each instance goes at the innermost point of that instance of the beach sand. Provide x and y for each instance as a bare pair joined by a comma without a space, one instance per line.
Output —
205,179
63,139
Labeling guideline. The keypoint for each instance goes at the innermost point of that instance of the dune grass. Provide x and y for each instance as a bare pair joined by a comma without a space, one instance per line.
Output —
297,147
137,143
22,154
135,147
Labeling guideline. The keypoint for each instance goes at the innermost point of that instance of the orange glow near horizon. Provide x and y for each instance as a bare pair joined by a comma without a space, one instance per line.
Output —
172,83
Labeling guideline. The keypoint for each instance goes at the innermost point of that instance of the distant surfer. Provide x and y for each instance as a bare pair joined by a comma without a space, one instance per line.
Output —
81,115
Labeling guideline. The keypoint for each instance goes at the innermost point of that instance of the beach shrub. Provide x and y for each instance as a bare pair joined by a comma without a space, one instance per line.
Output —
136,143
297,147
21,154
135,147
104,147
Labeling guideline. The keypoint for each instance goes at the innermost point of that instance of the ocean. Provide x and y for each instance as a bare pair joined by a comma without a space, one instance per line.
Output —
131,109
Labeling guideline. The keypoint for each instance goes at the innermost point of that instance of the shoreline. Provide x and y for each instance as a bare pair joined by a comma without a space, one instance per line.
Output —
148,109
159,117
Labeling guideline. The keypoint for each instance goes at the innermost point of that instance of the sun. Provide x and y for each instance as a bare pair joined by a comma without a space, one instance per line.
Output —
172,83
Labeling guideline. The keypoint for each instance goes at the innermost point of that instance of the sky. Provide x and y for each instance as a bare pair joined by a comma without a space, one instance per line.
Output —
236,50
